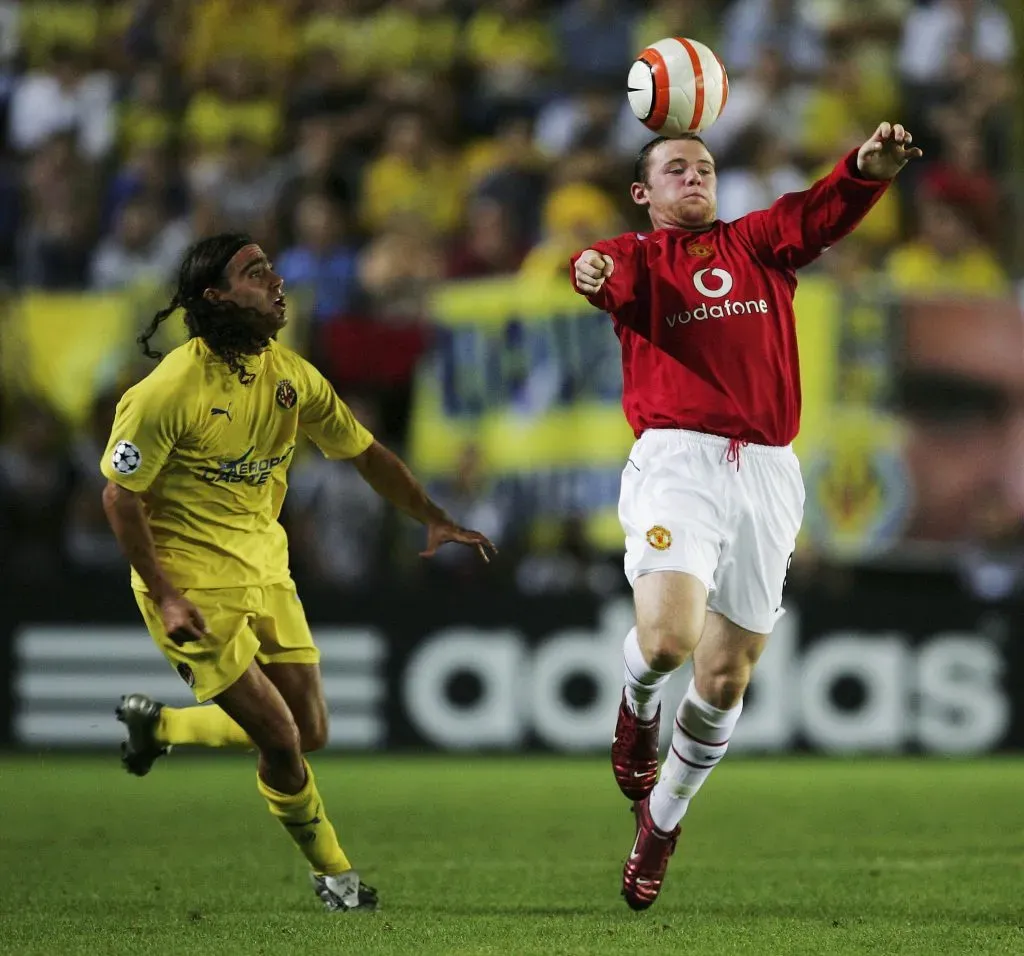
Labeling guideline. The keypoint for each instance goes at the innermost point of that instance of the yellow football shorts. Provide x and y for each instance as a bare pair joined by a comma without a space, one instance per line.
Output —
265,623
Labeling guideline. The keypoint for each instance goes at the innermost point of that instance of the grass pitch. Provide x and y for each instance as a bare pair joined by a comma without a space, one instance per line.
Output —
513,856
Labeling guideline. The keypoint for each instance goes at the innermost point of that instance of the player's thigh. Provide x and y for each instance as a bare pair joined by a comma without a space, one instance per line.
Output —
215,661
282,629
670,611
671,516
724,660
755,557
301,687
257,706
291,660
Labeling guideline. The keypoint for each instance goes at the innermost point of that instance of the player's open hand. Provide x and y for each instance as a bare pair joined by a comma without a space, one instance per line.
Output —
887,152
592,269
182,619
442,532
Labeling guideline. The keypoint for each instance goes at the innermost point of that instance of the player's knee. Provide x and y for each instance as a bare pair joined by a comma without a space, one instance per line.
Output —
279,741
724,685
667,646
313,736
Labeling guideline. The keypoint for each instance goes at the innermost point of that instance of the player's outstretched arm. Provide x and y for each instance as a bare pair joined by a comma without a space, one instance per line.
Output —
389,476
799,226
127,518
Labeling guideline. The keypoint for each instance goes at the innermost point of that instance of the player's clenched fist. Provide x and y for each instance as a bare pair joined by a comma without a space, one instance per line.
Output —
592,269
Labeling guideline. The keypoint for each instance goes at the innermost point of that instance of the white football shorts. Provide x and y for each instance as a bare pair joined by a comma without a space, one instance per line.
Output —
687,504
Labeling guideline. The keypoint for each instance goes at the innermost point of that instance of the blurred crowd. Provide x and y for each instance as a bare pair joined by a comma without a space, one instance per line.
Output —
376,149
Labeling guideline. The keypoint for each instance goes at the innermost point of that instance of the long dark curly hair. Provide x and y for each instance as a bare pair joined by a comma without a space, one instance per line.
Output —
222,325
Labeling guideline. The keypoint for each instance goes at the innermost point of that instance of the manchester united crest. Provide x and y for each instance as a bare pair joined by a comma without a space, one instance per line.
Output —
703,250
286,395
659,538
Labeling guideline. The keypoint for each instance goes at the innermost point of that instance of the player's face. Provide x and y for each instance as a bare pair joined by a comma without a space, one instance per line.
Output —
254,286
681,185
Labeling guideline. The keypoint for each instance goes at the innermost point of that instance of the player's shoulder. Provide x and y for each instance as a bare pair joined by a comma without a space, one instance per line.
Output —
176,378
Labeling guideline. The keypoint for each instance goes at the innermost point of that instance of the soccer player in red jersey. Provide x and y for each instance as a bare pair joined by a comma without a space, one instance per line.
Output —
712,496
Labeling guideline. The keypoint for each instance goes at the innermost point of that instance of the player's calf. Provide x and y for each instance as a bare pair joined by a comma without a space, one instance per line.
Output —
700,738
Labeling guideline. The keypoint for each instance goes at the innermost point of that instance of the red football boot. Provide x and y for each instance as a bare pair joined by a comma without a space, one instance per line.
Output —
648,860
635,752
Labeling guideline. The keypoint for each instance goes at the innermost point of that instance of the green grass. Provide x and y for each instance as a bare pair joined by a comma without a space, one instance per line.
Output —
513,856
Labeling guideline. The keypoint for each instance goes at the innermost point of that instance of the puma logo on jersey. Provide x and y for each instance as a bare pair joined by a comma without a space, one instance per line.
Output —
222,411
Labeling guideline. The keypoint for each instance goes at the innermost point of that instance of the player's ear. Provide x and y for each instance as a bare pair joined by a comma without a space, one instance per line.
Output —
213,295
639,193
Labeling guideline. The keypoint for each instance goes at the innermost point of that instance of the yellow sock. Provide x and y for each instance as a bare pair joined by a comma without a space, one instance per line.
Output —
302,815
207,725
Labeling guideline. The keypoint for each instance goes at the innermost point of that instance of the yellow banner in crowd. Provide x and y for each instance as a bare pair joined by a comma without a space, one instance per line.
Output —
529,376
68,348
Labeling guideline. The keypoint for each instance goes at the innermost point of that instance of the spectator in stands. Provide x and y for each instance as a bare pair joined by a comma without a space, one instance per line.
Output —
946,256
575,214
397,269
958,175
788,26
589,115
236,106
144,249
513,50
765,95
56,245
419,35
490,245
508,168
148,170
942,37
245,188
677,18
841,106
411,177
321,260
264,33
145,116
316,164
64,97
595,39
742,189
35,482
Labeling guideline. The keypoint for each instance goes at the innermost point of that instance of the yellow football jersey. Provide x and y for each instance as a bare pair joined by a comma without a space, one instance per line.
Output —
211,457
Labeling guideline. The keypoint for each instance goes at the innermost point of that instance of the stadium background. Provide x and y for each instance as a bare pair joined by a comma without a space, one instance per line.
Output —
420,171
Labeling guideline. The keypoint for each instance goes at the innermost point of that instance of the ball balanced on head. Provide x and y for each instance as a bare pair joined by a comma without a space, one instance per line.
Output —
677,86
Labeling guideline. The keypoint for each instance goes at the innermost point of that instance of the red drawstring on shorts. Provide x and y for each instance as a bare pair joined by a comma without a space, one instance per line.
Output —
733,454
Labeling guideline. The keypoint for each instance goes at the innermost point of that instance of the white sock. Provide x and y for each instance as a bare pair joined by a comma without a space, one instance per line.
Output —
700,738
643,684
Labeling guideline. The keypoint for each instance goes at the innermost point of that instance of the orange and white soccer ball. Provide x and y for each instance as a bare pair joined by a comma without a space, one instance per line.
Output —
676,86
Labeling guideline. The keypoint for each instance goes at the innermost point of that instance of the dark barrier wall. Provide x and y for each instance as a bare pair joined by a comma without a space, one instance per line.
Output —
891,663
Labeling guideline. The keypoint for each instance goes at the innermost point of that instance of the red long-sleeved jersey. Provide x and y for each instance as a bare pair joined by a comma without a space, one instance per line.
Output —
705,318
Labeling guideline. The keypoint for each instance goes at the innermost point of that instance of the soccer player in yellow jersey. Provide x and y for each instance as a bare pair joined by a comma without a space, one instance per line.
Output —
196,474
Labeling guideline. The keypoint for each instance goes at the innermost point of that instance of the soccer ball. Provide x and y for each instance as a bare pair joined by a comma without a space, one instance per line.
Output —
126,458
677,86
